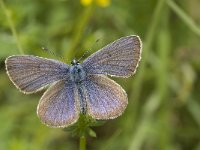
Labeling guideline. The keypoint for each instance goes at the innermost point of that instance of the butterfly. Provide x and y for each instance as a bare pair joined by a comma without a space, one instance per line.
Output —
78,88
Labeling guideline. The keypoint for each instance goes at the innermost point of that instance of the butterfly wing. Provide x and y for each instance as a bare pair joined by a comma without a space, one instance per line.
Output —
105,98
31,73
119,58
59,105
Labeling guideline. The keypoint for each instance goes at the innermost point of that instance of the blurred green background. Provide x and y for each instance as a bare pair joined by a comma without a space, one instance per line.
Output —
164,95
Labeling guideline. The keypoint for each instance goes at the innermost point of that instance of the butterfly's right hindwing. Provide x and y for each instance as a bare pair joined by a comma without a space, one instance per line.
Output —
105,98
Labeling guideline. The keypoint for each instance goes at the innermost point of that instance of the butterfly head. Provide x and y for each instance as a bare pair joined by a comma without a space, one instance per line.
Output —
77,73
75,62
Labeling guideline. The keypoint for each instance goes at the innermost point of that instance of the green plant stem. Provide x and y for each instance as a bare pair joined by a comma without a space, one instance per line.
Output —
11,24
194,109
137,85
79,30
185,18
154,101
147,46
82,145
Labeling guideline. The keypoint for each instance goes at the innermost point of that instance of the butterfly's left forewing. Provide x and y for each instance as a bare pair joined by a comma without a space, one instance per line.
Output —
31,73
59,106
105,98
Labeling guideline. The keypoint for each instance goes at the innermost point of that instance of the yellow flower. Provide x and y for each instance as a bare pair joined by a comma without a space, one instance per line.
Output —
101,3
86,2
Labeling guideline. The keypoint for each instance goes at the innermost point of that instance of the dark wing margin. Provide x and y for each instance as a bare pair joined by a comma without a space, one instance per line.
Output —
119,58
59,106
105,98
31,73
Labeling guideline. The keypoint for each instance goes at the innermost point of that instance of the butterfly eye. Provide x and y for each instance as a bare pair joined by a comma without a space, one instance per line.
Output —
73,62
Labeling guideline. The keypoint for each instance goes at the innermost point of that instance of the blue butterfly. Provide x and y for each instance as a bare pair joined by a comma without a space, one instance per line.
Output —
78,88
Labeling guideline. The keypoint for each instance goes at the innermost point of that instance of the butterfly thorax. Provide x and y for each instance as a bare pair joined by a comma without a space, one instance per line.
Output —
77,73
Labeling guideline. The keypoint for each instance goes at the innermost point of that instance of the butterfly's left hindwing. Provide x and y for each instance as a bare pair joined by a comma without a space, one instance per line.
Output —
59,105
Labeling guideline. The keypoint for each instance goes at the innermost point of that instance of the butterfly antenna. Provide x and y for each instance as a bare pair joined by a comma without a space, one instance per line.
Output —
83,55
89,49
51,52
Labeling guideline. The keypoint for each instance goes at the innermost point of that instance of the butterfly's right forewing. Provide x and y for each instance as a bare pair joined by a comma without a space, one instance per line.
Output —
119,58
30,73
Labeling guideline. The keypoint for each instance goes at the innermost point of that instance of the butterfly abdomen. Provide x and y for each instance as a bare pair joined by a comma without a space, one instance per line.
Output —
77,75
